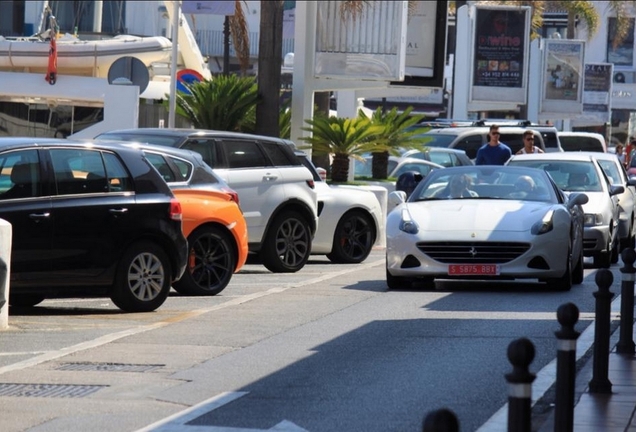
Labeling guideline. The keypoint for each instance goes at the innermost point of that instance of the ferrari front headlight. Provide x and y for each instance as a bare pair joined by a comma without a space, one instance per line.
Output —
544,225
591,219
407,224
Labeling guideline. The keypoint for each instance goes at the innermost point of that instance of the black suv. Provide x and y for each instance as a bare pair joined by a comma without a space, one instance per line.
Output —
88,220
275,190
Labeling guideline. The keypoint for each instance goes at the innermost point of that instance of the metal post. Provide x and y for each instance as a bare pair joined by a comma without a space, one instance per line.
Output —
441,420
172,110
520,355
625,344
226,46
600,382
567,315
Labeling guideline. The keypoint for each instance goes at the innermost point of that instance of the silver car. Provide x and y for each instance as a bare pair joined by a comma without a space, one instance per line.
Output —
617,175
581,172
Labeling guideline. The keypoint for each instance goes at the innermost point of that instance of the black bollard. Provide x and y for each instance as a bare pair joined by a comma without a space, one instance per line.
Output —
625,344
3,278
441,420
520,355
568,315
600,382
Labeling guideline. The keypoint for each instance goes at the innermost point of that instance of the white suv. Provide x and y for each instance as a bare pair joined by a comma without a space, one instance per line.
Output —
275,190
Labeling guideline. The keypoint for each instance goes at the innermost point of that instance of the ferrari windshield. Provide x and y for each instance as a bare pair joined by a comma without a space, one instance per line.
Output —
486,182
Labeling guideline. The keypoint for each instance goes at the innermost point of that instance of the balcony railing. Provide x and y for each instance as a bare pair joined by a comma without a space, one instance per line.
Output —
211,44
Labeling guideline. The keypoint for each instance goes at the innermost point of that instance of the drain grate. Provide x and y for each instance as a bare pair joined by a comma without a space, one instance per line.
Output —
48,390
108,367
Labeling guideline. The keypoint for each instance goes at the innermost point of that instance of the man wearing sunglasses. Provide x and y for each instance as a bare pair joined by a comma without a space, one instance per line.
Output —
493,152
528,144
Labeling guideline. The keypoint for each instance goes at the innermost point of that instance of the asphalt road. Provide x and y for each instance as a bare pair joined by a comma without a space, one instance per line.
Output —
326,349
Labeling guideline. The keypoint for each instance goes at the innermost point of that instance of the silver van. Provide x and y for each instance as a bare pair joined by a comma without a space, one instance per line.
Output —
470,139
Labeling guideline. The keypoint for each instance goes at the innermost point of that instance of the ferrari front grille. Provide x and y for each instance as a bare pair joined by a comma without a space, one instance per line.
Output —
473,252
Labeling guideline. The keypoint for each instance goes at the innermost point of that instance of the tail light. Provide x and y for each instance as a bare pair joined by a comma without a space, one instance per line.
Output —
233,195
310,183
175,210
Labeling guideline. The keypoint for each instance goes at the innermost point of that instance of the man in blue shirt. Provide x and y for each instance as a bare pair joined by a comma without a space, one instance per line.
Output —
493,152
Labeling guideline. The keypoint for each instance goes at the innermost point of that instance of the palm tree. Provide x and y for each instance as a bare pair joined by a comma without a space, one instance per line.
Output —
342,138
225,103
398,131
270,47
239,33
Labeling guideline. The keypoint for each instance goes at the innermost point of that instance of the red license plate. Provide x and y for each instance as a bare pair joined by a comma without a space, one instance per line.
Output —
473,269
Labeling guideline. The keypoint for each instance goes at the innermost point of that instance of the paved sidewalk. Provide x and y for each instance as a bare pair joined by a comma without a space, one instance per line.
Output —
613,412
610,412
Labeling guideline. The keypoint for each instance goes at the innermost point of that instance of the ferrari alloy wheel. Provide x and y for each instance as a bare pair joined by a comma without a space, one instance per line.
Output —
353,238
211,262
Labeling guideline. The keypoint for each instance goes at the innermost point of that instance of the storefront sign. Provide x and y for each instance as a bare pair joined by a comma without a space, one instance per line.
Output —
500,54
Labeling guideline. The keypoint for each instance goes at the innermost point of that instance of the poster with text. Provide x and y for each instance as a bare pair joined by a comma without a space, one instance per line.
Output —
500,54
597,89
499,48
563,77
419,51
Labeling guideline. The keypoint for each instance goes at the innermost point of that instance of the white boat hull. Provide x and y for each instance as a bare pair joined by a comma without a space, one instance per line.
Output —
78,57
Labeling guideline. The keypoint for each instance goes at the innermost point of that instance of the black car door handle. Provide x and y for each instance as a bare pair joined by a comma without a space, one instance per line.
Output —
37,217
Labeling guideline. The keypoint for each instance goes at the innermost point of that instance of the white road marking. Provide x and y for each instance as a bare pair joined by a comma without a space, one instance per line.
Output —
103,340
178,421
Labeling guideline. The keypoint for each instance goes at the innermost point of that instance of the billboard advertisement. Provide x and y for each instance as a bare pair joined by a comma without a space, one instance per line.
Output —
370,45
499,64
597,88
426,41
563,73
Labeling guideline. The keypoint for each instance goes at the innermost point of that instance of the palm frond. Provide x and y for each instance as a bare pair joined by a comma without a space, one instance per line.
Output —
222,103
353,8
240,36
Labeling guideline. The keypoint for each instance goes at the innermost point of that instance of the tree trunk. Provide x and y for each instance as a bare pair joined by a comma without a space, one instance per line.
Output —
380,165
340,168
571,22
321,101
270,48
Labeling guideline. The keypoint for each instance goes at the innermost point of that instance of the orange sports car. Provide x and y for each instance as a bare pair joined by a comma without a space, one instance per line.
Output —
217,240
213,222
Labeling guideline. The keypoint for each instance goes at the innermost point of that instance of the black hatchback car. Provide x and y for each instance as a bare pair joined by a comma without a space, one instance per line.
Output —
88,220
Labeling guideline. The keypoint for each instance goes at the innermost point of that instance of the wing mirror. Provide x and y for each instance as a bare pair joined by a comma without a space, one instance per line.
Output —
577,198
615,190
396,198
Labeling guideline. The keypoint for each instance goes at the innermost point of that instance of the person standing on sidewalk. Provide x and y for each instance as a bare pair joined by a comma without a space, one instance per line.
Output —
493,152
528,144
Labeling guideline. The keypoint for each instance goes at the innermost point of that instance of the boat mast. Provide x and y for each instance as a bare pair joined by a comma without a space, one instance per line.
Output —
45,11
97,17
173,66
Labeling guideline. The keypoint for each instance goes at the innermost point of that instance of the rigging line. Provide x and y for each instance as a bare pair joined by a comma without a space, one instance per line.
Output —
120,21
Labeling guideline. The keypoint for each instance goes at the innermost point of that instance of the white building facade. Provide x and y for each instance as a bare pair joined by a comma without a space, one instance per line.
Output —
599,49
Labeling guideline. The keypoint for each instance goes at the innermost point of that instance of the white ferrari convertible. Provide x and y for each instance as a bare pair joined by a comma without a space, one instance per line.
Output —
485,222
